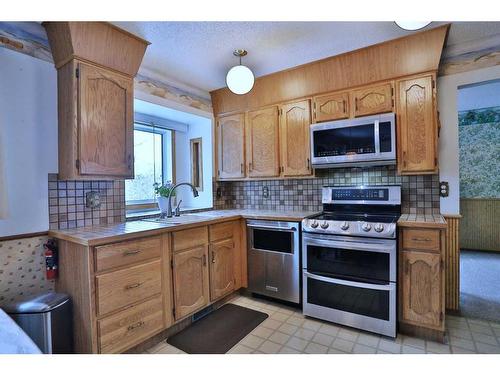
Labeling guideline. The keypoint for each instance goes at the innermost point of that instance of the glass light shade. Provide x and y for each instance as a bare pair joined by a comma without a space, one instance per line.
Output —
412,25
240,79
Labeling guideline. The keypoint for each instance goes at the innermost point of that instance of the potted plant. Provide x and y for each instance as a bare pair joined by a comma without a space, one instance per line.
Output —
162,192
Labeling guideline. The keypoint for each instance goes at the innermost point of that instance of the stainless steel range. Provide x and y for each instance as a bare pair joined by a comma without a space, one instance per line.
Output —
349,258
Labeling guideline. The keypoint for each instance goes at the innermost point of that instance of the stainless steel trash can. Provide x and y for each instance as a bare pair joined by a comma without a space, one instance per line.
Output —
47,319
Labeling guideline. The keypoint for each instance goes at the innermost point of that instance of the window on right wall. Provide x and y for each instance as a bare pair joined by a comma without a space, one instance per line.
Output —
196,163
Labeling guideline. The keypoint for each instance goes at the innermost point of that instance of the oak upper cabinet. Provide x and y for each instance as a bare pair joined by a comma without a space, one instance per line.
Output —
105,113
231,146
191,281
417,125
295,120
372,100
221,268
331,107
262,143
96,63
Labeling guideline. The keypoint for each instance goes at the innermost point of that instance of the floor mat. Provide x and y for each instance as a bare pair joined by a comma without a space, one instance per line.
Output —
219,331
479,285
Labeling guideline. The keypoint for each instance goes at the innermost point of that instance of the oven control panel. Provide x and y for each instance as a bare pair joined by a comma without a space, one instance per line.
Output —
350,228
386,195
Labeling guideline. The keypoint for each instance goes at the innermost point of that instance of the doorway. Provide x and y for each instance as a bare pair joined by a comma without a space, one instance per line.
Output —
479,165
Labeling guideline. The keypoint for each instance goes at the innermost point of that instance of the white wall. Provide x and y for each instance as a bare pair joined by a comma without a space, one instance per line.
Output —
448,142
201,127
28,130
479,96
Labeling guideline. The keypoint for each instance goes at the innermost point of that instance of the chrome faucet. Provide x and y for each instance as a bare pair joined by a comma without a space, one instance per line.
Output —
169,209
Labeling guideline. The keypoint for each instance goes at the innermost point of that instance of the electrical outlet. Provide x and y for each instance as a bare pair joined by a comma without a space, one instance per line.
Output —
265,192
444,189
92,199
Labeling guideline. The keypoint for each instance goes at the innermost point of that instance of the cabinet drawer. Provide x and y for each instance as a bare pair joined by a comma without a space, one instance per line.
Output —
127,328
421,239
125,253
124,287
189,238
221,231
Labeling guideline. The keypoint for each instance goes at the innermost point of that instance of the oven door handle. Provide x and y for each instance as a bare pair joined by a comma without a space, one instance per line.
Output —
355,284
379,248
279,229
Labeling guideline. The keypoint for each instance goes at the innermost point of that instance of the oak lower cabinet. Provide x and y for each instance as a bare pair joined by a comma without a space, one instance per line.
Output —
295,146
262,142
221,268
421,282
417,125
191,281
230,135
121,291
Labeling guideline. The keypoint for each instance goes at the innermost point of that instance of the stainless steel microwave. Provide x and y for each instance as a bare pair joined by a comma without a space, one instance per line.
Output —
362,141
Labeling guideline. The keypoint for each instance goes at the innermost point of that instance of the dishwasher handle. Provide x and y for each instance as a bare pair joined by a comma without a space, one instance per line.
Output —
273,228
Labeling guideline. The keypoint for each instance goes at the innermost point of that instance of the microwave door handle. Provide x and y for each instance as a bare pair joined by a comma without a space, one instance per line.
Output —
379,248
355,284
377,137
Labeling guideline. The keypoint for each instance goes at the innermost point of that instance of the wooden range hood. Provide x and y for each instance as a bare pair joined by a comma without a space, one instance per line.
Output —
99,43
406,56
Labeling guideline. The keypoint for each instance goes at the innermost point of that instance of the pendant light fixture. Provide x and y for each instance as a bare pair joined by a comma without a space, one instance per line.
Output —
412,25
240,78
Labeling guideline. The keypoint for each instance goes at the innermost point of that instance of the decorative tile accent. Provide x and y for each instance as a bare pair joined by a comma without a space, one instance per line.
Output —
22,269
67,207
419,194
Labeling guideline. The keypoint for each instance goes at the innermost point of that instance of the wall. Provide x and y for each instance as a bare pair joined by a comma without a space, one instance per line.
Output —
448,142
28,129
419,194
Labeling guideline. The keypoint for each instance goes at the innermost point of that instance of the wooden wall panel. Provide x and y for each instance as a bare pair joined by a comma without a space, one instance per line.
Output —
480,224
452,263
416,53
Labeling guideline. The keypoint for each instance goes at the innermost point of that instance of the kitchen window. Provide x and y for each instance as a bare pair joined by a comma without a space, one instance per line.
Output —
153,162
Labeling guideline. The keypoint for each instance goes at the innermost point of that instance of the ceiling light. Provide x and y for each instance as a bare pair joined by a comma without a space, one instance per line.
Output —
240,78
412,25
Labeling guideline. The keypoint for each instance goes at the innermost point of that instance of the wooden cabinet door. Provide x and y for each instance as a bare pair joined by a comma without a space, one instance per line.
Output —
262,137
372,100
231,146
221,268
331,107
417,135
105,127
295,120
191,281
422,289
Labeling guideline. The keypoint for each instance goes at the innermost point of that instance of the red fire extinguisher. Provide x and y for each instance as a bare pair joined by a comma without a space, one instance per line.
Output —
51,259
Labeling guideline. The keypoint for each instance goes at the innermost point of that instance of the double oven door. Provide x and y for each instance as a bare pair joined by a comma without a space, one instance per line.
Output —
350,281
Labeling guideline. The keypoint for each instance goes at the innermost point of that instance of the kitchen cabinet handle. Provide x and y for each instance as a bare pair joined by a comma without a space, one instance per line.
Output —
241,167
204,260
213,256
131,252
133,286
135,325
404,158
421,239
343,101
356,103
308,164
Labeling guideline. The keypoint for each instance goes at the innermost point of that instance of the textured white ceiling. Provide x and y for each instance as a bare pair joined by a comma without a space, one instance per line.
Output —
198,54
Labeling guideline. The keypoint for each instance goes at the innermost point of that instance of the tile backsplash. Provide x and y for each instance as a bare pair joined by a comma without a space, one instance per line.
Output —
419,194
67,207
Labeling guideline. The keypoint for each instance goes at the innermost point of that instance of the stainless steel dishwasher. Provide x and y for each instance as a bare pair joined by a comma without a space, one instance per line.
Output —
273,259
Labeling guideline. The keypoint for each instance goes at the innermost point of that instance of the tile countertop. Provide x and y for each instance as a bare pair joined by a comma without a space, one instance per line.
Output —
102,234
422,221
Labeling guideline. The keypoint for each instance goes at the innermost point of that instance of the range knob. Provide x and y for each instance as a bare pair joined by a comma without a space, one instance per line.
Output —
366,227
324,225
378,227
314,224
344,225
